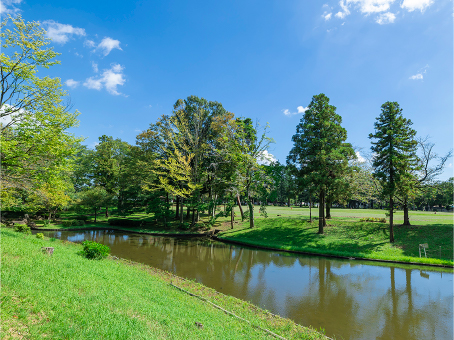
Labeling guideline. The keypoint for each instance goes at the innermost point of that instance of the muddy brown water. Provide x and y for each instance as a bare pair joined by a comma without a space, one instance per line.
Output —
349,299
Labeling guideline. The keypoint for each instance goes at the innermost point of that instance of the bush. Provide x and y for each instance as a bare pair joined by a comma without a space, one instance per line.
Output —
94,250
40,235
126,223
73,223
22,228
373,219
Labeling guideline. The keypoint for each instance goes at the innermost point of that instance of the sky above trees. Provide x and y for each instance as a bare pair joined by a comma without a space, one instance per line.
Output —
125,65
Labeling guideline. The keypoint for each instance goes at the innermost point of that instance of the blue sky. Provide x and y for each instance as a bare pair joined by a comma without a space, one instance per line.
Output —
126,63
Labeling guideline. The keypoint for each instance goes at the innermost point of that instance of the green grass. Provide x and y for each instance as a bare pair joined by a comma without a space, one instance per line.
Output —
66,296
345,235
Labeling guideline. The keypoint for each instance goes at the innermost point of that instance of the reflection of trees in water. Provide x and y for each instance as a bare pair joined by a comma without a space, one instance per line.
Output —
356,302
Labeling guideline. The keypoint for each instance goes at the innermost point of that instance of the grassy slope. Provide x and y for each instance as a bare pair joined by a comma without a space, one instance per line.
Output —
69,297
346,236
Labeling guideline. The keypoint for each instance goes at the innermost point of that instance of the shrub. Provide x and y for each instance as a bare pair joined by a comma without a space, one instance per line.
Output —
22,228
71,223
40,235
373,219
46,223
94,250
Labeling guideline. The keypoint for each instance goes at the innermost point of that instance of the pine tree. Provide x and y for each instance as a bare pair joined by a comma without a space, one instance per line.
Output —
395,153
320,152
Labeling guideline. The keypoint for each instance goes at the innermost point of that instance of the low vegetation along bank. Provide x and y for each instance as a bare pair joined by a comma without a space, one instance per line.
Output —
67,296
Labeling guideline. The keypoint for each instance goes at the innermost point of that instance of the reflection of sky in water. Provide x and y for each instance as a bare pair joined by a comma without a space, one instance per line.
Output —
349,299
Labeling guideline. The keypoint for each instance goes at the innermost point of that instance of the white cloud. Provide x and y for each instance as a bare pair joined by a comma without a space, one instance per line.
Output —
345,11
108,44
265,158
418,76
60,33
327,16
302,109
360,158
72,83
411,5
109,79
385,18
299,109
9,6
89,43
94,66
371,6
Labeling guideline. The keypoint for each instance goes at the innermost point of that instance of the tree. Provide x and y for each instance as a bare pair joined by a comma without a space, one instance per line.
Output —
36,148
94,198
108,161
320,151
395,154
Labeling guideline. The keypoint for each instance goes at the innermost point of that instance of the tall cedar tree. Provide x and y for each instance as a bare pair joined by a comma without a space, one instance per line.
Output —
319,150
395,153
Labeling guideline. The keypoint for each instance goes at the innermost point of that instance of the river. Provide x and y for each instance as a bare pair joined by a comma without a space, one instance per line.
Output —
349,299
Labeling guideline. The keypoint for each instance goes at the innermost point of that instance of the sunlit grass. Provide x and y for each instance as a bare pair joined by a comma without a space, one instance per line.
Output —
66,296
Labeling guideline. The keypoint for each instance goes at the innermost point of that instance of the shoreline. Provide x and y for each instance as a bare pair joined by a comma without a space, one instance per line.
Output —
240,243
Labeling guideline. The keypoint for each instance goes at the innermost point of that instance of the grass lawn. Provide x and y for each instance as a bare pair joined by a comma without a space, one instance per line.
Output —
345,235
66,296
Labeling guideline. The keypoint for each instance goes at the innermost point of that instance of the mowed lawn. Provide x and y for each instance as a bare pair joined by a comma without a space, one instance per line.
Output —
66,296
346,235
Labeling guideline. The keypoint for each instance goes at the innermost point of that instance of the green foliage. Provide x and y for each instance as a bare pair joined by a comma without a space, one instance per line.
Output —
95,251
22,228
40,236
37,149
320,153
46,223
373,219
263,211
73,223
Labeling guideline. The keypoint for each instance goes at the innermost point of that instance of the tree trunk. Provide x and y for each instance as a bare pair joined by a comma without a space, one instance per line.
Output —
321,212
107,212
310,210
251,214
239,206
177,210
232,217
167,198
193,217
188,213
96,208
181,211
288,202
391,219
328,209
406,219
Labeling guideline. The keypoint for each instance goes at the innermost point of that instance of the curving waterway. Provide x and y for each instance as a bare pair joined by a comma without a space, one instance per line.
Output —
349,299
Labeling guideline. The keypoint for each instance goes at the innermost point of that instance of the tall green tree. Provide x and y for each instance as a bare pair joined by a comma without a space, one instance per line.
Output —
36,147
395,161
320,151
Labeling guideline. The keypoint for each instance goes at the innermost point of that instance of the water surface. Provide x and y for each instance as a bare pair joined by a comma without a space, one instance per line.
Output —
349,299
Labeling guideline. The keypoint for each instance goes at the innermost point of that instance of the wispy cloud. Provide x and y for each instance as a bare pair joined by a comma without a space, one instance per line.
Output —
359,158
327,16
94,66
109,79
385,18
418,76
61,33
108,44
9,7
412,5
89,43
72,83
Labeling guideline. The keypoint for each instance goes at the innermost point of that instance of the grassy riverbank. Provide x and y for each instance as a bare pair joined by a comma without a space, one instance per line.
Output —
66,296
348,236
